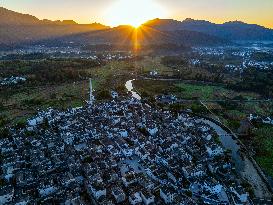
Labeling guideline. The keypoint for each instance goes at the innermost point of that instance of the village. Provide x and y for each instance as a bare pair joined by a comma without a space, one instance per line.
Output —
63,52
145,102
117,152
244,57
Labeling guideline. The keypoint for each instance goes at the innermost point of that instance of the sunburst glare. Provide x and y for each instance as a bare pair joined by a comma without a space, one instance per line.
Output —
133,13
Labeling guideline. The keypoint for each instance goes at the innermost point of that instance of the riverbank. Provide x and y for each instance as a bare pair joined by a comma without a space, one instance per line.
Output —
245,165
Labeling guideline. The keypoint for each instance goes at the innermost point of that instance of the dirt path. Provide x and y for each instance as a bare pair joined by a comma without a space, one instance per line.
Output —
251,174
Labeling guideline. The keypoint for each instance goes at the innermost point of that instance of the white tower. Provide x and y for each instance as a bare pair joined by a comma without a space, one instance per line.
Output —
91,97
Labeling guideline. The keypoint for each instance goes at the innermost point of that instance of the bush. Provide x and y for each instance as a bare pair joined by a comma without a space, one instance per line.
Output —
174,61
2,107
198,109
188,193
104,95
21,123
234,124
33,101
121,89
3,120
88,160
4,133
29,133
177,107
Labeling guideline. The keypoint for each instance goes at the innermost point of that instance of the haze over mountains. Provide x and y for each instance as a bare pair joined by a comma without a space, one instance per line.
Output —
17,28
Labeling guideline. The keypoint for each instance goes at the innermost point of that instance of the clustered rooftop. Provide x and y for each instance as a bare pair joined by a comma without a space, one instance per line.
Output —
118,152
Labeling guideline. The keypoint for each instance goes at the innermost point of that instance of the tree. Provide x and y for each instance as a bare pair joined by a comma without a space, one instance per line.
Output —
104,95
177,107
4,133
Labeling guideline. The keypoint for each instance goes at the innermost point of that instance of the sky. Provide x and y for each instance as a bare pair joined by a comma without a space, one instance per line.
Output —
134,12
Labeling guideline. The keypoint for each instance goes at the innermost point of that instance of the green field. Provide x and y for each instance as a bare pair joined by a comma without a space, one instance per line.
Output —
190,90
264,145
24,102
154,87
154,64
202,92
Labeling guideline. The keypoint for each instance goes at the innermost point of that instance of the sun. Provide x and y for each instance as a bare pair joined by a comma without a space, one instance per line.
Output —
133,12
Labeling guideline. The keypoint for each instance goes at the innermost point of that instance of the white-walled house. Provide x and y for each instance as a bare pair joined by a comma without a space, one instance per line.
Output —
152,131
147,197
167,195
118,194
97,190
135,198
214,151
6,197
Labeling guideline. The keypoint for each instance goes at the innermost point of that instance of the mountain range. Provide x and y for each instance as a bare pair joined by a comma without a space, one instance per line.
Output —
233,30
16,28
21,29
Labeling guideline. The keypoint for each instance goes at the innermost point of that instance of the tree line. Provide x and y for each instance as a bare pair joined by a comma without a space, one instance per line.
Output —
48,70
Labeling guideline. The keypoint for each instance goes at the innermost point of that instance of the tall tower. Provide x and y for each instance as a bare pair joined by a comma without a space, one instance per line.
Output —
91,97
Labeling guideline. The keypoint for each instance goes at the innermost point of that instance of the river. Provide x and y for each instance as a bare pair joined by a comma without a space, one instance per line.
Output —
130,88
229,143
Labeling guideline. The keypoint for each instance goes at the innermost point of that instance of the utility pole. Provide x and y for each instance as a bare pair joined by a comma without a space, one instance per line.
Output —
91,97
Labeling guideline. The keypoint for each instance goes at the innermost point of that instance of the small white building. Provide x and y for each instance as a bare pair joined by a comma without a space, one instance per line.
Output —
128,152
242,197
123,133
6,197
147,197
97,190
35,121
135,198
153,73
47,191
214,151
152,131
194,172
118,194
128,179
167,195
268,120
114,94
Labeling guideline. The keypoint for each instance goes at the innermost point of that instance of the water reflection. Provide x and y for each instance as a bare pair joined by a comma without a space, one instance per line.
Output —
130,88
229,143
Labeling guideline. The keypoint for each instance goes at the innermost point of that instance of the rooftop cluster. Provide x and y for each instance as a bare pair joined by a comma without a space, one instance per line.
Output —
118,152
12,80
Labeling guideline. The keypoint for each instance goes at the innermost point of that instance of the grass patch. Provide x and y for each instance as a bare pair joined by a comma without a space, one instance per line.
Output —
26,101
203,92
153,87
154,64
264,143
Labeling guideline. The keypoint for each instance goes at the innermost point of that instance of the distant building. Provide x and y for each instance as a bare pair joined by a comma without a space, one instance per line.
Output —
153,73
135,198
167,194
118,194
